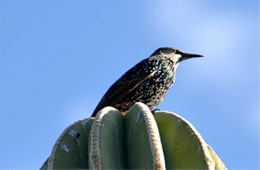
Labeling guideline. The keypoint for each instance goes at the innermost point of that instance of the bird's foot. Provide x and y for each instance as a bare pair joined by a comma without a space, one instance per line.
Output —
155,110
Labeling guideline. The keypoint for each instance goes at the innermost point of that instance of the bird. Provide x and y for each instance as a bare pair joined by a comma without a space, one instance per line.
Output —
147,82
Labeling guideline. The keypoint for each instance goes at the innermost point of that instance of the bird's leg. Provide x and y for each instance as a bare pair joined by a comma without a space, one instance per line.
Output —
124,108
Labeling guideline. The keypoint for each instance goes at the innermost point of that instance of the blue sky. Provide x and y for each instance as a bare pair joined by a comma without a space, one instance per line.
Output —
57,59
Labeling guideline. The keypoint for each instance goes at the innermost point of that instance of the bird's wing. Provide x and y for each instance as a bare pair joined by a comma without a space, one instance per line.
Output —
123,86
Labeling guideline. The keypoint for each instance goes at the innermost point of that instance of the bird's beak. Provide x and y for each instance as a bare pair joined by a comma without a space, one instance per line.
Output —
186,56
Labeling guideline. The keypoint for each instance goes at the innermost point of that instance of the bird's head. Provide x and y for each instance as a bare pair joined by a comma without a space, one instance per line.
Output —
174,55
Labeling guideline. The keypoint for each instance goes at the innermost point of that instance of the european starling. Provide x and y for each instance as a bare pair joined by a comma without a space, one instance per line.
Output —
146,82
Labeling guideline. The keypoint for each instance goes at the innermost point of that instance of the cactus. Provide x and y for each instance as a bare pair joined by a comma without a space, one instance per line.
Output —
71,149
139,140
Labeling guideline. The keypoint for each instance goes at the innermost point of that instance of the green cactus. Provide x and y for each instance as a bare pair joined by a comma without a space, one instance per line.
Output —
144,148
71,149
107,141
183,146
139,140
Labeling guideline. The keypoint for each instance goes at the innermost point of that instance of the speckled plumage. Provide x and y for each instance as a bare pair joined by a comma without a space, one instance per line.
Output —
146,82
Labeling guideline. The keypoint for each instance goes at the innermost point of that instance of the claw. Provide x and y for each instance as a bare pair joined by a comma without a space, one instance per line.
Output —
155,110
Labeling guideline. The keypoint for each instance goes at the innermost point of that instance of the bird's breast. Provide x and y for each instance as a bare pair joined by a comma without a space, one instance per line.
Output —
152,90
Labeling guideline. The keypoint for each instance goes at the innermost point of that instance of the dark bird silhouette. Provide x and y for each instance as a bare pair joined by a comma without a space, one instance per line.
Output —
146,82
